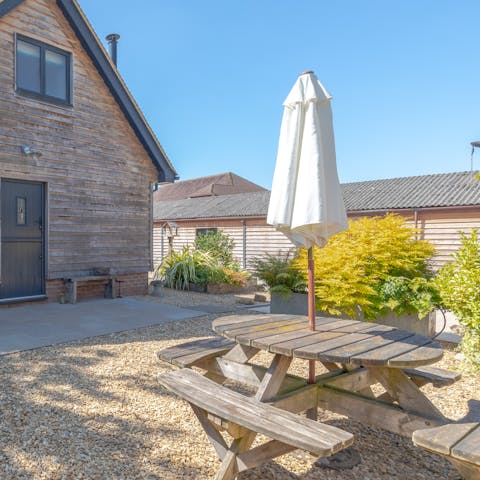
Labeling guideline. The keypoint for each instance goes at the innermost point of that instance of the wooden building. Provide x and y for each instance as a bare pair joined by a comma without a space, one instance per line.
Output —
78,161
441,206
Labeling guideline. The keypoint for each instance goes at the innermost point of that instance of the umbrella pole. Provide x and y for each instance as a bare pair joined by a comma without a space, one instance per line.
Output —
311,308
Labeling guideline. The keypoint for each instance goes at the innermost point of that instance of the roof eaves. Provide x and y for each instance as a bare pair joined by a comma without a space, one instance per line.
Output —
119,90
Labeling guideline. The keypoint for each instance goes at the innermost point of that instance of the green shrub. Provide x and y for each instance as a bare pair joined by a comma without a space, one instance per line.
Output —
459,286
189,265
279,274
218,245
375,265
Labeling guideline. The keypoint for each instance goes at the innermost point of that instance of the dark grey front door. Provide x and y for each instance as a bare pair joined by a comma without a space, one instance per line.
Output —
22,234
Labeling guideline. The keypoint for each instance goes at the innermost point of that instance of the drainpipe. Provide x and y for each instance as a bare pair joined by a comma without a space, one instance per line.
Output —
415,221
244,225
162,246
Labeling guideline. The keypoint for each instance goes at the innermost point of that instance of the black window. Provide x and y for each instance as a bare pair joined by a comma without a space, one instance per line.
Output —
43,71
205,231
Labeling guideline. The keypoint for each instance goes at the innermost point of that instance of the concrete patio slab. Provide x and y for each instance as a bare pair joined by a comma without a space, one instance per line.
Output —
33,326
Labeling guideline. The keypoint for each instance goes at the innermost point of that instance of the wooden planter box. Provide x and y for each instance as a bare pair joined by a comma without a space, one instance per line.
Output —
296,304
219,288
213,288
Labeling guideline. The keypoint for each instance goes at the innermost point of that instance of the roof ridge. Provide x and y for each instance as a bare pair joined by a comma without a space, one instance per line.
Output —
413,176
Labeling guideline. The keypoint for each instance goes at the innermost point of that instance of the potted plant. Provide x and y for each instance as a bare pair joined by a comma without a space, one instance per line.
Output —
377,270
286,284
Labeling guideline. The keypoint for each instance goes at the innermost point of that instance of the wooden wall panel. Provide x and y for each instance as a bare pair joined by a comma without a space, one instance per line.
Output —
98,173
442,228
260,239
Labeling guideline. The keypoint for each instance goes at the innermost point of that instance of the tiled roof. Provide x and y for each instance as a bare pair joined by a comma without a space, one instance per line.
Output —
440,190
221,184
253,204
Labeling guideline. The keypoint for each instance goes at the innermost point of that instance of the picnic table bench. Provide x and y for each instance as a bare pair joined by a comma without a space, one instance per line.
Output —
195,353
218,407
458,442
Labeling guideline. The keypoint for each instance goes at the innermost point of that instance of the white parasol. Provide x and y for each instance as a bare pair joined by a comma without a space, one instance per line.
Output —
306,203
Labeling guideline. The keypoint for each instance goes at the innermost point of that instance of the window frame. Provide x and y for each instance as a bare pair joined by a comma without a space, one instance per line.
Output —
44,47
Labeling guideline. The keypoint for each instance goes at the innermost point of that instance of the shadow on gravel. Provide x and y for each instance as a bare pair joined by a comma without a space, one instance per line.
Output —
93,409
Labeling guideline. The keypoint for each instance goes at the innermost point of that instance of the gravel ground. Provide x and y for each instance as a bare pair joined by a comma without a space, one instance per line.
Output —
93,409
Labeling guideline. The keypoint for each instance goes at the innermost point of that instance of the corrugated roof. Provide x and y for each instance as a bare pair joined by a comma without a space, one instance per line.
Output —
220,184
439,190
252,204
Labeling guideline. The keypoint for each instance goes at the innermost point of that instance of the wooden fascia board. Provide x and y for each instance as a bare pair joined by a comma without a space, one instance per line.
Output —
206,219
8,5
102,61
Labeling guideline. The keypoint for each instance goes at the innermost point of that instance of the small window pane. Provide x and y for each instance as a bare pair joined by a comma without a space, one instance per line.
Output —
205,231
28,66
56,75
21,213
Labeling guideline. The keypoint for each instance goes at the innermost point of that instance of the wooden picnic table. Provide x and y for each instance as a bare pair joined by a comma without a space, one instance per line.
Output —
357,356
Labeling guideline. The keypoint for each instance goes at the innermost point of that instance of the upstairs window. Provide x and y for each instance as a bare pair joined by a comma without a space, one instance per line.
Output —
43,71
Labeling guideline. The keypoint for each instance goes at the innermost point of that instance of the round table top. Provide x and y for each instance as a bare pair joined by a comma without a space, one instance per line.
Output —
333,340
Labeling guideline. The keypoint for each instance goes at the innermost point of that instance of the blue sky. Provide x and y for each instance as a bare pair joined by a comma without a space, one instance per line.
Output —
211,77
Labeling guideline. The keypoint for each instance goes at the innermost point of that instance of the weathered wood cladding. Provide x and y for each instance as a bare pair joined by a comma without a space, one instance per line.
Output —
440,226
97,172
253,239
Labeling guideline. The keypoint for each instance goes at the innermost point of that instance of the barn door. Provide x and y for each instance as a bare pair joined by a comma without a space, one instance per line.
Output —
22,237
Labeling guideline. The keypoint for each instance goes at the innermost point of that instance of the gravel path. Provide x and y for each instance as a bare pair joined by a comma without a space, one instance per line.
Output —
93,409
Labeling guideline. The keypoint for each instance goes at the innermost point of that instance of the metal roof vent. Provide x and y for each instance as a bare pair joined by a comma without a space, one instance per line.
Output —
112,40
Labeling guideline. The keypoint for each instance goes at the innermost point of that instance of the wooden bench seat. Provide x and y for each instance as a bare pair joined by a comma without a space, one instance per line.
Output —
458,442
438,377
191,353
218,407
71,284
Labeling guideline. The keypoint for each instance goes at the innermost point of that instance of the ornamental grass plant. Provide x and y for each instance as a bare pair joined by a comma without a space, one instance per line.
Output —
209,261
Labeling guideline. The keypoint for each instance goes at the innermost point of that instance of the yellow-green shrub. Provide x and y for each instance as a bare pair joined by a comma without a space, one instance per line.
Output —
375,265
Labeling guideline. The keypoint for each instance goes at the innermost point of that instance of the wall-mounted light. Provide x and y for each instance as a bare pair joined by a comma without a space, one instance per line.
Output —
29,152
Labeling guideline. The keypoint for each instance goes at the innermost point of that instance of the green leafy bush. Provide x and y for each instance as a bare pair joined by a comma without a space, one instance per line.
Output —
375,266
459,286
404,295
218,245
279,274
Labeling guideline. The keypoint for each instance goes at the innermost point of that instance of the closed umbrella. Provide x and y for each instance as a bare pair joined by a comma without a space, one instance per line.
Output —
306,203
